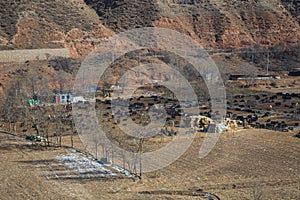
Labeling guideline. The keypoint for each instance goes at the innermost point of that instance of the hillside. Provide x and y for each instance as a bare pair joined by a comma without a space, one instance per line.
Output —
214,23
79,24
49,24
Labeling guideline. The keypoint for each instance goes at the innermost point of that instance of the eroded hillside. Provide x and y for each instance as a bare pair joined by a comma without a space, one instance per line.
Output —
214,23
79,24
50,24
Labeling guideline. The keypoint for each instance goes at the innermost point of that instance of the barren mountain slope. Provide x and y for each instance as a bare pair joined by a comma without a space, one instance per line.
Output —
214,23
49,24
80,25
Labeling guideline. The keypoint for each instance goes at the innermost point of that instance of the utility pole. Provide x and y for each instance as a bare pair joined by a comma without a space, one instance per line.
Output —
139,61
252,57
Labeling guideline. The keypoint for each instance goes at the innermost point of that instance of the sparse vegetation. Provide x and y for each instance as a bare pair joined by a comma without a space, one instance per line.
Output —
61,63
44,157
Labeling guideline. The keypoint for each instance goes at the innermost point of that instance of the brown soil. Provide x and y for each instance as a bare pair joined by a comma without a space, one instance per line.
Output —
243,165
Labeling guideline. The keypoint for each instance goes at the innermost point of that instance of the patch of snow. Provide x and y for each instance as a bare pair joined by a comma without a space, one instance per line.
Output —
83,164
86,165
121,170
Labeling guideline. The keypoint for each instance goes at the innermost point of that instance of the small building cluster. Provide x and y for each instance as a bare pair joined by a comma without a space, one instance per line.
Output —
63,98
258,77
295,72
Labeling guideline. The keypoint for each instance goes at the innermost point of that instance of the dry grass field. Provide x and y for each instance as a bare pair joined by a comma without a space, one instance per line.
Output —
250,164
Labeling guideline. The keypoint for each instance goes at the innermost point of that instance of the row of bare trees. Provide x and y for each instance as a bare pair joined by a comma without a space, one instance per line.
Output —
16,112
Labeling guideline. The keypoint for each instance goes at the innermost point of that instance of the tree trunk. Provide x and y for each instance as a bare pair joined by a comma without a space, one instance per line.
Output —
60,135
72,143
134,164
103,150
9,127
37,129
96,151
124,166
112,155
15,127
141,148
47,137
72,133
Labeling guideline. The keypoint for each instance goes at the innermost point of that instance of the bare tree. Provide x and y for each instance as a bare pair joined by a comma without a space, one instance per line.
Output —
224,69
12,108
32,84
250,72
61,78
